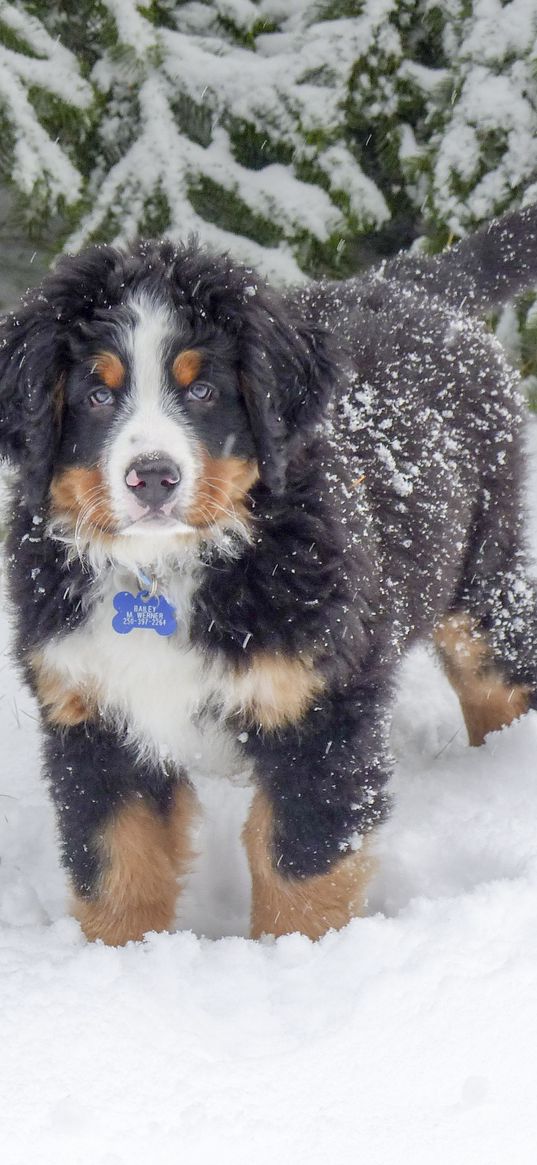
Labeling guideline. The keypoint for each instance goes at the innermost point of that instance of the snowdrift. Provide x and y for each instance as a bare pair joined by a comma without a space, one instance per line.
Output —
410,1036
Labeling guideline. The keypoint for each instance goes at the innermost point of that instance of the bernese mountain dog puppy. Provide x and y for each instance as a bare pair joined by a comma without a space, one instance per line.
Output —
234,509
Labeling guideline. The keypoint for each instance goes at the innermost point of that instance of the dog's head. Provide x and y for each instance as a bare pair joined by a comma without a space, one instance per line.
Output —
149,391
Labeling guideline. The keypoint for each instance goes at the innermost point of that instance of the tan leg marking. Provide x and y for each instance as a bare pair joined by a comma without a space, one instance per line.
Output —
276,690
143,854
487,701
63,706
309,905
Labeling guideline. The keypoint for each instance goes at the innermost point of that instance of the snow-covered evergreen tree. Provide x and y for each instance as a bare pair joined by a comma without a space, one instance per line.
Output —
307,135
479,136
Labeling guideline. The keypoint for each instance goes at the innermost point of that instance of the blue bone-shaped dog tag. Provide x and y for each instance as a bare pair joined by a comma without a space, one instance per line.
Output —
139,611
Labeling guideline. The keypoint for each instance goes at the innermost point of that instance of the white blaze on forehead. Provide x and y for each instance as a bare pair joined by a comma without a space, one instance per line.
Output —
152,331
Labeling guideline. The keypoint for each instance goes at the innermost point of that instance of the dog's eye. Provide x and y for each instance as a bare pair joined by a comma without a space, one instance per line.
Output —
102,396
199,392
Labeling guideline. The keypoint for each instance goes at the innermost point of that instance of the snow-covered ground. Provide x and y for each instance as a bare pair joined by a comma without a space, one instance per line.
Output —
409,1037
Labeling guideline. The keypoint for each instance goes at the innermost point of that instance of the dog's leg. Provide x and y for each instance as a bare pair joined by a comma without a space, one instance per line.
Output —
141,853
283,904
321,792
125,833
489,699
488,640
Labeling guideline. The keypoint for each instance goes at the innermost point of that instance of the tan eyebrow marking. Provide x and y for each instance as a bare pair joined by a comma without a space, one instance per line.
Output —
186,366
109,369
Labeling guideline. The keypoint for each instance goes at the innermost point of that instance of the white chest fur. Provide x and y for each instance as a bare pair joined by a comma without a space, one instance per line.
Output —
163,693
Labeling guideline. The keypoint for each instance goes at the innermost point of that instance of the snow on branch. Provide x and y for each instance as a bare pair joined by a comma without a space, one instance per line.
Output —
483,149
304,135
38,63
281,87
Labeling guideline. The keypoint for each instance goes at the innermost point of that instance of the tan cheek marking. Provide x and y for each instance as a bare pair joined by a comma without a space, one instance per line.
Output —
221,489
143,854
110,369
487,701
81,493
63,706
311,906
186,366
276,690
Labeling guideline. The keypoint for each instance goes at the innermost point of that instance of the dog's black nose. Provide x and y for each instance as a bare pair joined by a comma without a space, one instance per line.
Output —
153,481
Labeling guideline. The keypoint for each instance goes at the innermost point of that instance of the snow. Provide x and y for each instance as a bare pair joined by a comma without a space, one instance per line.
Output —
293,86
486,146
37,159
409,1036
171,122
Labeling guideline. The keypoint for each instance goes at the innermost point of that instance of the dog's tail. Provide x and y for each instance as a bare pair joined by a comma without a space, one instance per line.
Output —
485,269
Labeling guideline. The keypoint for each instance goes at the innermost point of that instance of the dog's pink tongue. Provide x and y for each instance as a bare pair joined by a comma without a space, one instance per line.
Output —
133,480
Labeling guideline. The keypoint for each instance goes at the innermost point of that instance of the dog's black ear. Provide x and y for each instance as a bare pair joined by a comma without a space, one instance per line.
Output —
35,355
30,390
287,372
